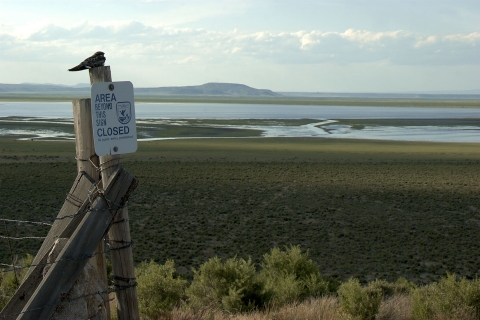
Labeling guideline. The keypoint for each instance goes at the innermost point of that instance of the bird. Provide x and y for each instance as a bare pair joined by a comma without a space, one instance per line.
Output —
96,60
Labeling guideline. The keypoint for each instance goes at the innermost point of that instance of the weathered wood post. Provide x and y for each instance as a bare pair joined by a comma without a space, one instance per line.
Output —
88,162
122,260
58,280
43,290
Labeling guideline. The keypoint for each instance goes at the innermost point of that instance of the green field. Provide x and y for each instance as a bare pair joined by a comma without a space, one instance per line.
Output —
331,101
370,209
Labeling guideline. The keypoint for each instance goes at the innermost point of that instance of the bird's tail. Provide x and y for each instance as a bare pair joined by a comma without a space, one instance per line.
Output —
77,68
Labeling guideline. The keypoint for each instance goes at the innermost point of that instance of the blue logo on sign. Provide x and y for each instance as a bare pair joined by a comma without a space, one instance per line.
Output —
124,112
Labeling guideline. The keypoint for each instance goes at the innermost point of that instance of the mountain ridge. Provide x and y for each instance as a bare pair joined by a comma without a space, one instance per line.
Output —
227,90
207,89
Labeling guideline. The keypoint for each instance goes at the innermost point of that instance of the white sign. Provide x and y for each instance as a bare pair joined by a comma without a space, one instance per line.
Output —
113,118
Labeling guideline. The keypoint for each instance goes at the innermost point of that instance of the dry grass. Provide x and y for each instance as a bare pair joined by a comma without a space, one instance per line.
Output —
327,308
398,307
459,315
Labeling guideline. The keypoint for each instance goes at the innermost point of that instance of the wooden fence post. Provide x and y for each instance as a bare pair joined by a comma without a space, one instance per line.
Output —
122,260
67,221
87,161
82,243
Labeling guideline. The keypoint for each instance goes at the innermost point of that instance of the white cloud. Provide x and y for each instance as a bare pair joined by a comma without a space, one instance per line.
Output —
369,37
150,47
309,39
472,38
135,40
187,60
427,41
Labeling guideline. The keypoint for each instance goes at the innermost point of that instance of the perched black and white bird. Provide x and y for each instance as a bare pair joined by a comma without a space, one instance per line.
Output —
97,60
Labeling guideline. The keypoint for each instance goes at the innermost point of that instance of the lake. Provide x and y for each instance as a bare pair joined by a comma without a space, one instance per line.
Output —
326,120
243,111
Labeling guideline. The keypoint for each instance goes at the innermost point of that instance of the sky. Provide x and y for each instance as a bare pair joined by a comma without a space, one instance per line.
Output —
282,45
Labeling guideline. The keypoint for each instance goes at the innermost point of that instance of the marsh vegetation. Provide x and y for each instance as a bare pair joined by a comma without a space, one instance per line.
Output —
383,223
363,209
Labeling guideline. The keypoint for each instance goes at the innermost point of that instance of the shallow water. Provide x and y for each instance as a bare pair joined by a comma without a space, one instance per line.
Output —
61,112
243,111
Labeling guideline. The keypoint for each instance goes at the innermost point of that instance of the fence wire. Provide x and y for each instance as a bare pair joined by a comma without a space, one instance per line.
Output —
83,256
92,195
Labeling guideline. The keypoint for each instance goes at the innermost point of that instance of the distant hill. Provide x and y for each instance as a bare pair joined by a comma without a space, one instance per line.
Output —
39,88
216,89
208,89
471,94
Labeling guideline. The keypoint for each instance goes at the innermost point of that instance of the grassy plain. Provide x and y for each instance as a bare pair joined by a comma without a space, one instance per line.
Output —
330,101
369,209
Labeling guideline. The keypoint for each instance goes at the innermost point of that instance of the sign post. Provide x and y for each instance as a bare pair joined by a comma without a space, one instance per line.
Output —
119,234
113,118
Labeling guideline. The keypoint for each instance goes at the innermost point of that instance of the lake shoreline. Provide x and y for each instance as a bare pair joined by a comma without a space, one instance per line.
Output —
157,121
429,130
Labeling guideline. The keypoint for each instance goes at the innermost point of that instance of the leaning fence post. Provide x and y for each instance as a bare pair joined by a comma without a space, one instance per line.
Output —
87,161
122,260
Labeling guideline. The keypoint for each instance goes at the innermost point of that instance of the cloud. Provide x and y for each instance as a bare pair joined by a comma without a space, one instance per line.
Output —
365,36
309,39
187,60
472,38
138,42
428,41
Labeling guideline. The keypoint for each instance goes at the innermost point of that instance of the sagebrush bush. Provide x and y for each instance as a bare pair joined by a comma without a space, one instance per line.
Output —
357,302
232,286
10,281
396,307
290,275
158,289
451,298
400,287
3,295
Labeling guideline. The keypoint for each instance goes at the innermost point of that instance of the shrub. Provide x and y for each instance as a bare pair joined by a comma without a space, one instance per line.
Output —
359,303
231,286
396,307
3,295
290,276
158,288
400,287
10,281
451,298
403,286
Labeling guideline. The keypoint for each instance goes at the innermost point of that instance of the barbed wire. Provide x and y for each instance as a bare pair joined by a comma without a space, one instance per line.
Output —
83,256
26,221
101,167
14,268
71,216
21,238
117,206
93,193
6,265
